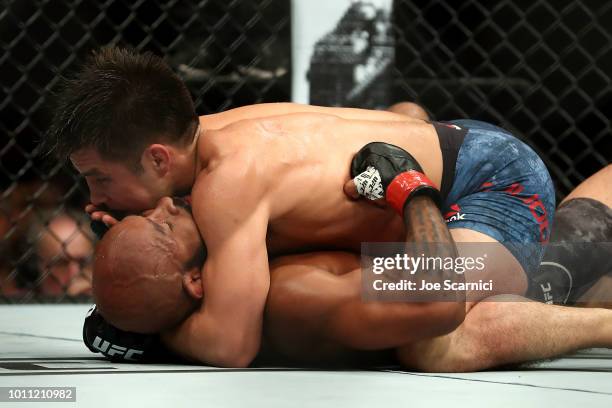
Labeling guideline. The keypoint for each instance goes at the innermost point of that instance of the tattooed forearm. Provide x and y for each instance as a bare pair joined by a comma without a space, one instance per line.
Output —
424,223
428,236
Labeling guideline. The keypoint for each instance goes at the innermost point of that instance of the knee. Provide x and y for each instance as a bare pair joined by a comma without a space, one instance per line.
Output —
473,346
452,359
438,355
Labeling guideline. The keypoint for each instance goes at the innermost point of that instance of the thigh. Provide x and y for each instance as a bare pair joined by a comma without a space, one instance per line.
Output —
472,345
501,266
503,193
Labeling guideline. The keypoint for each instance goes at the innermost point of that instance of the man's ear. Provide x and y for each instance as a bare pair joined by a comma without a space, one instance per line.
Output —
157,156
192,283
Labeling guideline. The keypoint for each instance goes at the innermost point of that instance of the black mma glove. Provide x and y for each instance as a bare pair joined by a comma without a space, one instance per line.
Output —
384,170
121,346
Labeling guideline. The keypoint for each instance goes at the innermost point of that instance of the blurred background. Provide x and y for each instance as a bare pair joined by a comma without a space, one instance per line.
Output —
539,68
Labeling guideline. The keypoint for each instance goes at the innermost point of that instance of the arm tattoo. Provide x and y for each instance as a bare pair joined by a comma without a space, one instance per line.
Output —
428,235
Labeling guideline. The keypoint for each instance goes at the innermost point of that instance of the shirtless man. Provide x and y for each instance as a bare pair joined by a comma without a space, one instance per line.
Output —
315,315
266,185
311,293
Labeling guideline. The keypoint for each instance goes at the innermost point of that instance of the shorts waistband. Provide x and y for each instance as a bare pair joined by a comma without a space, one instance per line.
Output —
451,138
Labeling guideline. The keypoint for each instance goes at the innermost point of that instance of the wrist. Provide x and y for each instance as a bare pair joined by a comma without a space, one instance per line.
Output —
407,185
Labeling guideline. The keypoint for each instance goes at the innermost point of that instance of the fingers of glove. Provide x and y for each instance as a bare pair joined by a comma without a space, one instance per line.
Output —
368,184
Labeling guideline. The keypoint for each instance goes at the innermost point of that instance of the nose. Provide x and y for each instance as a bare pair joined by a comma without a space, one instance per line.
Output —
164,206
165,202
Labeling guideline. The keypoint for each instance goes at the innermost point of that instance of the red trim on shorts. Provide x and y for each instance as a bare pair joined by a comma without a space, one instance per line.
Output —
533,202
455,210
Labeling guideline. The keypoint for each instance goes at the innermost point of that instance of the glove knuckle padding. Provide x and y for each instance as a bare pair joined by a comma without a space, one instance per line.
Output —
388,159
392,171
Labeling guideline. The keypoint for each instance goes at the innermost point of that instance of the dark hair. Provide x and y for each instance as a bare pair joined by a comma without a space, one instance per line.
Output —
119,103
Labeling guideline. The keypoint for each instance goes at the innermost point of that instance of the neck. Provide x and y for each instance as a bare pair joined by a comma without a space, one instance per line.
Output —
189,165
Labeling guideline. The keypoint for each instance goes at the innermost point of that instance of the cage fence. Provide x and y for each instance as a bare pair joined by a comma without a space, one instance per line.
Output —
539,68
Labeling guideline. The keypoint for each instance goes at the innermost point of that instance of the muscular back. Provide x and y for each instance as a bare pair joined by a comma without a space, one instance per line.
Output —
302,160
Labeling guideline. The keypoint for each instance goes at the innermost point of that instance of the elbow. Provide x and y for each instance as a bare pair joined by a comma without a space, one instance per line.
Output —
235,360
238,354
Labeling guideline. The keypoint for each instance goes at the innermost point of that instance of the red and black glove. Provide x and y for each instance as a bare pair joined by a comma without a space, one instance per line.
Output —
384,170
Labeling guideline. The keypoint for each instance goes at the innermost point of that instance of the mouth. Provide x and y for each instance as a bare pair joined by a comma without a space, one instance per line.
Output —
118,214
181,203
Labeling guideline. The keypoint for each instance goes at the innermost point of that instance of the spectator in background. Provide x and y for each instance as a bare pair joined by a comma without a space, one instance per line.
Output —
19,207
62,253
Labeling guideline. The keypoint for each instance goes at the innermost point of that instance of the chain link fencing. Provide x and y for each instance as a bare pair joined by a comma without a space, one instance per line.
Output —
539,68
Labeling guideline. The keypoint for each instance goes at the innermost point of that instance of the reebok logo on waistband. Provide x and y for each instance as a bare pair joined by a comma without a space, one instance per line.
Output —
455,214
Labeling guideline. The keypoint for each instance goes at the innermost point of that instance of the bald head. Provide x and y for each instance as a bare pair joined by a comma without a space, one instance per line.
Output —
138,282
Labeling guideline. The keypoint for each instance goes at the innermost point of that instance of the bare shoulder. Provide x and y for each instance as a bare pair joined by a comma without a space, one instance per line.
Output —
229,195
281,121
234,181
226,118
258,111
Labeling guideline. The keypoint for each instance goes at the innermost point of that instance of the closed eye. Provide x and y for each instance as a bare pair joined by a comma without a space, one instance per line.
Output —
157,227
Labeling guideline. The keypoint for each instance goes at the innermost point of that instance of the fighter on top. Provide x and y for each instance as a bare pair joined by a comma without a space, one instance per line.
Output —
268,180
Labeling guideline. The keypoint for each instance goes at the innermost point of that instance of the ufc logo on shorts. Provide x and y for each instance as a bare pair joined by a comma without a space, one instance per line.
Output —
111,350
